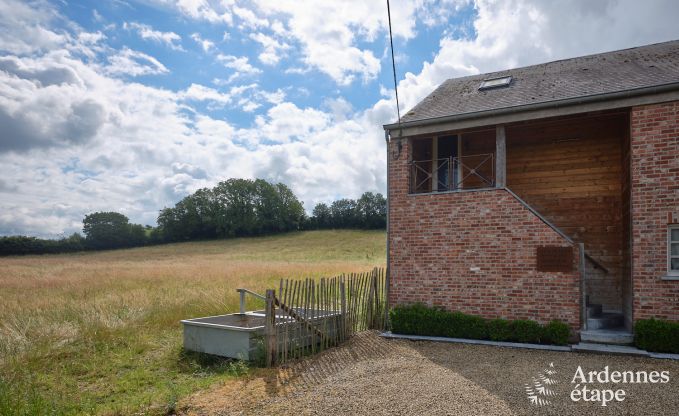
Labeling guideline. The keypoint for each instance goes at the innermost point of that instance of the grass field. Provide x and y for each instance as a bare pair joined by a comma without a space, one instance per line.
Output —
99,332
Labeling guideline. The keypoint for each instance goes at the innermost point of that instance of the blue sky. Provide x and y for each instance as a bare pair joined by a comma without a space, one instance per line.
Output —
129,105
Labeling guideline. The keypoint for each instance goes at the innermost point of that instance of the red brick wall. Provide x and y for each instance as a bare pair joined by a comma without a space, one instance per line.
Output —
655,204
438,240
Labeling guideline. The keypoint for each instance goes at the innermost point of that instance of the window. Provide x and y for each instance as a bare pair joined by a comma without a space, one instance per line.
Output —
673,250
495,83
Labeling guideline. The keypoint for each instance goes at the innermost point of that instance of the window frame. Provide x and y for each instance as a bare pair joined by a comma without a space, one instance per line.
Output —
670,272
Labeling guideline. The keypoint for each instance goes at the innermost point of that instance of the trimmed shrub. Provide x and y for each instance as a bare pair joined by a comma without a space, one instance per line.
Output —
468,326
525,331
419,319
556,332
657,335
499,330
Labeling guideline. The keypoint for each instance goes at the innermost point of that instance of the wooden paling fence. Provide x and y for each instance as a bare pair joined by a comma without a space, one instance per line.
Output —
307,316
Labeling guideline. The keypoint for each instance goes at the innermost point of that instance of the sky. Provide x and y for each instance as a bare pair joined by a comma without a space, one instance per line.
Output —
130,105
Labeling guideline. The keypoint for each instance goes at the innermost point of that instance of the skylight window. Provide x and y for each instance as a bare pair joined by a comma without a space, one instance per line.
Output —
495,83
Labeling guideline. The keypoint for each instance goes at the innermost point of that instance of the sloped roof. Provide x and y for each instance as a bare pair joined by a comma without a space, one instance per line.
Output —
604,73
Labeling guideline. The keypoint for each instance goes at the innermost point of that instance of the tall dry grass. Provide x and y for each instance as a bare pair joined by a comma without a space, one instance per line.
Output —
100,332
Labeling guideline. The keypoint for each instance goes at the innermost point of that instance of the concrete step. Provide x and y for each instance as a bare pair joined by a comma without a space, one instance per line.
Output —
609,349
607,320
607,336
594,310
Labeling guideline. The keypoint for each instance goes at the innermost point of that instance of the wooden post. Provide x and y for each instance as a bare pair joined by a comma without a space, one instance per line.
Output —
270,329
343,309
371,294
434,164
500,157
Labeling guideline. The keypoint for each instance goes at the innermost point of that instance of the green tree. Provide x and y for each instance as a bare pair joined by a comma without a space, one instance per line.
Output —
235,207
344,214
372,210
104,230
321,216
291,210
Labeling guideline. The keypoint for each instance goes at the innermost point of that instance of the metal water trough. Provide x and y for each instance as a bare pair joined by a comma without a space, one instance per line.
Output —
239,335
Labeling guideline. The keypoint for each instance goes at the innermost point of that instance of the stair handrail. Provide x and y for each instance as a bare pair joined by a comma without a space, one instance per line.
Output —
242,292
597,263
583,286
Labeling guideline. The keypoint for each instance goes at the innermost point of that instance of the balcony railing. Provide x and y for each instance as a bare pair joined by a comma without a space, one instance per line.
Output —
452,174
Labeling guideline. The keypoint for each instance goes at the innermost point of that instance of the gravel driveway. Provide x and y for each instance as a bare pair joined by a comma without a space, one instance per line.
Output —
372,375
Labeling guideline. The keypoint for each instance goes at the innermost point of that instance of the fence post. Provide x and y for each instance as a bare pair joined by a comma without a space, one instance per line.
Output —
371,313
270,329
376,290
343,309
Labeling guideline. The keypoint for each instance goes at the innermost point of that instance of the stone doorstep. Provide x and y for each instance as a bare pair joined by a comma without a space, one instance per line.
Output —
581,347
608,349
607,336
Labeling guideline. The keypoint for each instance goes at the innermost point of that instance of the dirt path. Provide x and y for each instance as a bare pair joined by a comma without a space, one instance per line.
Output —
371,375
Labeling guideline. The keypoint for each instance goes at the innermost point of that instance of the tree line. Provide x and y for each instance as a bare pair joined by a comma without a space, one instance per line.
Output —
233,208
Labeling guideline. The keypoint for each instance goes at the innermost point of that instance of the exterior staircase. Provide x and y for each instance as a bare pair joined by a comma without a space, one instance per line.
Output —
606,328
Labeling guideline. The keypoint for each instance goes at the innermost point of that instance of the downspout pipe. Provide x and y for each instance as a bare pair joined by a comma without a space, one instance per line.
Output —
388,273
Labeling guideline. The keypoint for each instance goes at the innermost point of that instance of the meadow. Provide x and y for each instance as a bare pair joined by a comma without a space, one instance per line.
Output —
99,332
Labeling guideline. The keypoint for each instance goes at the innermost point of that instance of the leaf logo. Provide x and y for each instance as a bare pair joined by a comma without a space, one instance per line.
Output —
539,391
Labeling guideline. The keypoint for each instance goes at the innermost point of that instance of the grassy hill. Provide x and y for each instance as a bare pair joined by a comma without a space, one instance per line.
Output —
100,333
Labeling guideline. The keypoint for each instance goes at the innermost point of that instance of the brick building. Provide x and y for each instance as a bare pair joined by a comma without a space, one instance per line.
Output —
544,192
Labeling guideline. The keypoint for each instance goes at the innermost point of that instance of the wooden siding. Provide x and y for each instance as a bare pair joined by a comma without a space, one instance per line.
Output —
571,172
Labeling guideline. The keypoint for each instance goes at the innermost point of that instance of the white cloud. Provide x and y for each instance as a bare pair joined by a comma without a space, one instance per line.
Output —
212,11
42,104
286,122
272,48
328,35
134,63
206,44
249,19
197,92
25,29
239,64
189,169
170,39
275,97
247,98
329,32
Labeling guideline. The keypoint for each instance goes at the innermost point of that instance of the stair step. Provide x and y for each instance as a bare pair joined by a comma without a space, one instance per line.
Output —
603,336
594,311
605,321
608,349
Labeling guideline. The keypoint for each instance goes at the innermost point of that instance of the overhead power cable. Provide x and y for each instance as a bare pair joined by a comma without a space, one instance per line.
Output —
393,67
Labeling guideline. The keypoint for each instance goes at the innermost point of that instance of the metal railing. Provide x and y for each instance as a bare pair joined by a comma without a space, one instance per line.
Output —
242,293
453,173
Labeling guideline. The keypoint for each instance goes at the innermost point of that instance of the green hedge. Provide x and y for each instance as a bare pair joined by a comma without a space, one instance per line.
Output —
419,319
657,335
